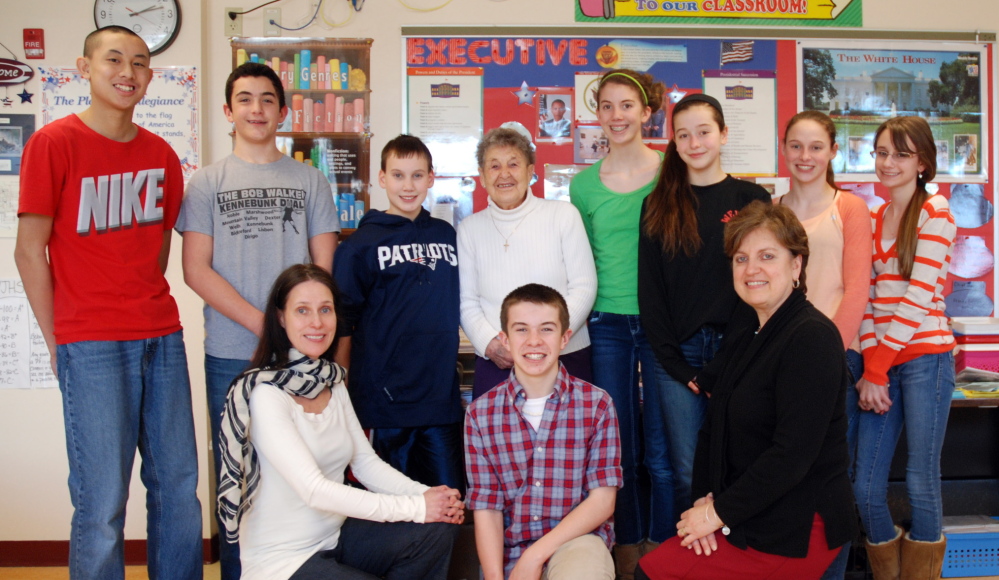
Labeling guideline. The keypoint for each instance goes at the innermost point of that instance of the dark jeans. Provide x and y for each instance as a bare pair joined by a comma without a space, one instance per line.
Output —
855,362
219,374
390,550
683,412
430,455
622,354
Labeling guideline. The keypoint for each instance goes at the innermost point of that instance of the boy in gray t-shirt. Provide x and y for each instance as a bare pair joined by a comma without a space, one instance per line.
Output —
244,220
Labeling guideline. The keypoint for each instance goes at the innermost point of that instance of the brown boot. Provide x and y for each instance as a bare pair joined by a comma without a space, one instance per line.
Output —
626,557
922,560
648,546
884,557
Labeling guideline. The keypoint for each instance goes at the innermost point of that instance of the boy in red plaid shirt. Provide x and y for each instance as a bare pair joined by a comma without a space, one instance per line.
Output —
543,455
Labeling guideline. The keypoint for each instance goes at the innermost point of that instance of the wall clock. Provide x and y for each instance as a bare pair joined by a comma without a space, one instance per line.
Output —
156,21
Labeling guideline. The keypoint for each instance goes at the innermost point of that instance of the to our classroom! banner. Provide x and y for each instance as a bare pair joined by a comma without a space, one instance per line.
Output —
840,13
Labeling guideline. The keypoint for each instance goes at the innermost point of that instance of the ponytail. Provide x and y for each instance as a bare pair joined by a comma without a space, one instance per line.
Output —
902,131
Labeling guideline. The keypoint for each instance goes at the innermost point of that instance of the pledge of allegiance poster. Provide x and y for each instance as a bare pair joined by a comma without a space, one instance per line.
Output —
843,13
169,109
861,88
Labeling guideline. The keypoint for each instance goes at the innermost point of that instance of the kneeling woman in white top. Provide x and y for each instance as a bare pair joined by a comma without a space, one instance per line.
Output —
289,433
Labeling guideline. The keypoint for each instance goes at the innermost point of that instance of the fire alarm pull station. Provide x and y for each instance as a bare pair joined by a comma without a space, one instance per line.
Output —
34,43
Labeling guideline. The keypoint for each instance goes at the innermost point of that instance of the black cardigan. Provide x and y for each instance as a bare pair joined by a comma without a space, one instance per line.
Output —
773,447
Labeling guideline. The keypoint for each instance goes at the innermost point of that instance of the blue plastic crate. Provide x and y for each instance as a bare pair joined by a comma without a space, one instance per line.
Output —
971,555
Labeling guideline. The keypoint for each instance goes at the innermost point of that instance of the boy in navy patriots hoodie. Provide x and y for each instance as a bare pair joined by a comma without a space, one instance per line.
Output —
398,274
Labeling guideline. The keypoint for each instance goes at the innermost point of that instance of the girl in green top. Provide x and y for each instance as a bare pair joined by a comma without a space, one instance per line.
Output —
609,197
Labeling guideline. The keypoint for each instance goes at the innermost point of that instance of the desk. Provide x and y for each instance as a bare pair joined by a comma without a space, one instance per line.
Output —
982,403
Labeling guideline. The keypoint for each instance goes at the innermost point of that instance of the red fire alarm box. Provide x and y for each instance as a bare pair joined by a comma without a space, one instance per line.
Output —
34,43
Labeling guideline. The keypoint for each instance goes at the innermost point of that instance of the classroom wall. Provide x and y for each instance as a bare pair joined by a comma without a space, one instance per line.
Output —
34,501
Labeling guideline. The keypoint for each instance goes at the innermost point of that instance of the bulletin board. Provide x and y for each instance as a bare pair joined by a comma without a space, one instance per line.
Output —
460,83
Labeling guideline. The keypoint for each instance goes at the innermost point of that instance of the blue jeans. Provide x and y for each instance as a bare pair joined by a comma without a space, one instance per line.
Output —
920,391
118,396
390,550
683,412
618,343
854,362
430,455
219,373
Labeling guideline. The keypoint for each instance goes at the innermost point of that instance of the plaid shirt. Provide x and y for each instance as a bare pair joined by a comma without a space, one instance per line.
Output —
537,478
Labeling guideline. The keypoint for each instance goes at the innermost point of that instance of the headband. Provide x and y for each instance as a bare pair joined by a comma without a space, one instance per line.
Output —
702,98
630,78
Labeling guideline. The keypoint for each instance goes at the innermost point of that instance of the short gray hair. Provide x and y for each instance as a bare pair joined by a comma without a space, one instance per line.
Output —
504,138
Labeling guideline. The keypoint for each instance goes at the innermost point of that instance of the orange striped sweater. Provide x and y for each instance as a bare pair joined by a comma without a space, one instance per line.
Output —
905,318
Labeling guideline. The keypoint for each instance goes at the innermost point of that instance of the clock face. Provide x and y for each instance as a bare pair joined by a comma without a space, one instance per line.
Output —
156,21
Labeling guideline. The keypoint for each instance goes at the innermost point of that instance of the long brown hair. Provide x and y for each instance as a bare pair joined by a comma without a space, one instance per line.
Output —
671,210
272,350
903,130
830,129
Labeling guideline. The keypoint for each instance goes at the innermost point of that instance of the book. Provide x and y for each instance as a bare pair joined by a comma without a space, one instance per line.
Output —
305,59
322,72
344,212
319,113
350,201
344,75
330,105
284,76
297,107
296,66
348,117
308,117
338,116
358,116
335,83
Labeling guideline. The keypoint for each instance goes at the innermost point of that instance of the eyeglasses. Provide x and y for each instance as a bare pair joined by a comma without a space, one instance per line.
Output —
897,156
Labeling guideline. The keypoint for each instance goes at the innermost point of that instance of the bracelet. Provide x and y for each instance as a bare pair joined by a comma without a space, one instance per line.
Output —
725,530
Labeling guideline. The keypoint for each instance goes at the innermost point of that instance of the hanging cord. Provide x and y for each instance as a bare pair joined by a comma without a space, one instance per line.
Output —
350,16
414,8
9,50
233,14
319,5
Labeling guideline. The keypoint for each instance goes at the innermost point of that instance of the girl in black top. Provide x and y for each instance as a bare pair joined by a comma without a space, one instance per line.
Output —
684,295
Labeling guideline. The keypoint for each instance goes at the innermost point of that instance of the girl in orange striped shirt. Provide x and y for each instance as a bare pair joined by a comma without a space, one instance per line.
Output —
908,366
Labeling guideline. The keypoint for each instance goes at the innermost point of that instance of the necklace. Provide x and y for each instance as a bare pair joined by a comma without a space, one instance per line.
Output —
506,239
530,414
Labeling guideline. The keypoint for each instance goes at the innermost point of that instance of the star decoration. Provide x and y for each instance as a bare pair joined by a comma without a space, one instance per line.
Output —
25,96
525,96
675,94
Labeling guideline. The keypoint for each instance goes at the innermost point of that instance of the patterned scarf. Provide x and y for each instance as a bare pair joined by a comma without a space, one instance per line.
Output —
240,473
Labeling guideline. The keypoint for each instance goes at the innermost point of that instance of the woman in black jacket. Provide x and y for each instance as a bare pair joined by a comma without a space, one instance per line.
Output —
771,462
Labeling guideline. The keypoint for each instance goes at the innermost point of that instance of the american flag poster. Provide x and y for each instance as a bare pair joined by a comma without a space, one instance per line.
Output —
741,51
